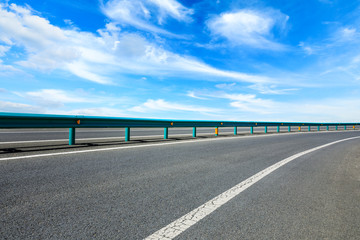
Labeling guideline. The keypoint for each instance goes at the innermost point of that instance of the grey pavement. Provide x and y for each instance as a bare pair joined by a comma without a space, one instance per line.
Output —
130,193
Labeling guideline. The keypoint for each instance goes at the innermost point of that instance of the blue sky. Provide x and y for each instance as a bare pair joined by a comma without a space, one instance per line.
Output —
257,60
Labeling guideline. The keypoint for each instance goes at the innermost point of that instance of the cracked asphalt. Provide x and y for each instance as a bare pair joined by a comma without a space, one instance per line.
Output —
131,193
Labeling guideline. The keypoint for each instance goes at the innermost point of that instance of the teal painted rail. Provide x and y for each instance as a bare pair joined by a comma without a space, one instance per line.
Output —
20,120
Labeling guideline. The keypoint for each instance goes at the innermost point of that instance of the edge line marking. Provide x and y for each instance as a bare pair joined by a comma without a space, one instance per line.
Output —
139,146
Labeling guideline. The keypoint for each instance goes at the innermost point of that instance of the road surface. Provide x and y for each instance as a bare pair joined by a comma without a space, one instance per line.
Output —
131,191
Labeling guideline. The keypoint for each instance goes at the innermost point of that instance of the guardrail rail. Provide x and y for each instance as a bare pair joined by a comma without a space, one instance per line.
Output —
23,120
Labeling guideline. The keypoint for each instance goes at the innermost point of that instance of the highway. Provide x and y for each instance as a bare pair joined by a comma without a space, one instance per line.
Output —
262,186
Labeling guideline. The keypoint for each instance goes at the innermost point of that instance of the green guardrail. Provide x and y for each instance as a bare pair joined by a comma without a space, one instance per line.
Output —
21,120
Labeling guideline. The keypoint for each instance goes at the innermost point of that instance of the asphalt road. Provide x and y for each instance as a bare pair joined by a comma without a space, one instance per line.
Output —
133,190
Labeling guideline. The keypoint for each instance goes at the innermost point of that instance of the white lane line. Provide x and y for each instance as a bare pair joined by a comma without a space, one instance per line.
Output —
129,147
142,145
183,223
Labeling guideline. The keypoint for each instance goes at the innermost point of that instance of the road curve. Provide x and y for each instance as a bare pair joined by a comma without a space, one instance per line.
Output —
130,193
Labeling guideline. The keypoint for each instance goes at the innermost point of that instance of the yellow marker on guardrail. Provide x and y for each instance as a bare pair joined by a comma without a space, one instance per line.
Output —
216,131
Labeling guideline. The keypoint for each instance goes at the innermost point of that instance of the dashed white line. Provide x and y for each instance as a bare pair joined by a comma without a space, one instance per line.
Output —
183,223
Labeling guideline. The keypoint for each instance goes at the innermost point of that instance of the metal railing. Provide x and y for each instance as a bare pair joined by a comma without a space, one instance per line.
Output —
21,120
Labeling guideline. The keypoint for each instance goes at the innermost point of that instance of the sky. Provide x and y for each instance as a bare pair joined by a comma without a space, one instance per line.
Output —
238,60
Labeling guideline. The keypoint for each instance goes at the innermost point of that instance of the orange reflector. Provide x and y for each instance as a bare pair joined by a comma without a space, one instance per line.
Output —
221,123
172,124
78,121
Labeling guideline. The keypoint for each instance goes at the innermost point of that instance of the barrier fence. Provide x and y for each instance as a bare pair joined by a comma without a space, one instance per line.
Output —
21,120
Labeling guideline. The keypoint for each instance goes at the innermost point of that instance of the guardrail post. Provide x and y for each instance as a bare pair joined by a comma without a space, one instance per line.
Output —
354,127
318,128
251,130
336,128
278,128
166,133
71,136
235,130
327,128
299,129
345,127
194,132
309,128
127,134
217,131
266,129
289,128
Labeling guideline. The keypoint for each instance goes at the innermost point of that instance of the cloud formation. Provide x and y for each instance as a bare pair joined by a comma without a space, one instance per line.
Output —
146,15
249,27
98,57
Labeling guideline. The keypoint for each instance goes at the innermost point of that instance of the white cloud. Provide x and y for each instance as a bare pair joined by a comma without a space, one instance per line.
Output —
164,106
172,8
250,103
140,14
271,89
56,96
3,50
308,49
193,95
343,37
99,57
226,86
6,106
96,111
249,27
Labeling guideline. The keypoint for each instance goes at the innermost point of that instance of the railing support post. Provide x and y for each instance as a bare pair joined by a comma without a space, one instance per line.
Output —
318,128
251,130
327,128
299,129
166,133
217,131
71,136
127,134
345,127
235,130
336,128
309,128
289,128
266,129
278,128
194,132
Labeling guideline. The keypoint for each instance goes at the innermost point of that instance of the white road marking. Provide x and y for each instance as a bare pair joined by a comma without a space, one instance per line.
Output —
129,147
183,223
142,145
145,145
